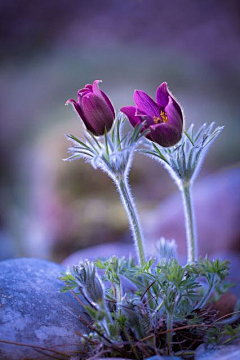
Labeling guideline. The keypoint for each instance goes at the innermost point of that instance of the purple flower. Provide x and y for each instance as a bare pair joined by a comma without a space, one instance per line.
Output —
94,108
163,118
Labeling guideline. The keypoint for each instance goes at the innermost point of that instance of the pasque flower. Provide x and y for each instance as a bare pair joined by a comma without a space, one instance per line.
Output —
94,108
162,117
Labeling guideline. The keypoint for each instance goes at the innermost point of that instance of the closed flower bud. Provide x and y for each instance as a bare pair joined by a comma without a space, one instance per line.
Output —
88,279
94,108
166,249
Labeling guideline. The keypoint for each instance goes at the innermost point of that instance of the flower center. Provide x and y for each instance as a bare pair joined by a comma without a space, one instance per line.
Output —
163,118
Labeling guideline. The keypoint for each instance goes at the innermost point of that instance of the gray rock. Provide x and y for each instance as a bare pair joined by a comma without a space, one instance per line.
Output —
231,352
104,250
34,312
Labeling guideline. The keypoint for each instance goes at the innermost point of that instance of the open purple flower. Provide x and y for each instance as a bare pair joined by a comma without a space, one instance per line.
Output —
163,118
94,108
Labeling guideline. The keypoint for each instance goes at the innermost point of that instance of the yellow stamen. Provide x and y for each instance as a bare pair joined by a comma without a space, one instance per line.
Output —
164,116
157,119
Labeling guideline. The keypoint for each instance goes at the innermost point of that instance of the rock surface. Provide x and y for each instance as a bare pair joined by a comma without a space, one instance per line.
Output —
216,199
34,312
98,251
231,352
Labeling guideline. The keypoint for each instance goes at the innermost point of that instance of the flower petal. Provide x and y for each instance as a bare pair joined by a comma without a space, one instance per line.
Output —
174,116
102,95
106,98
165,134
88,86
95,88
81,93
130,112
162,95
76,106
144,117
145,103
80,112
97,113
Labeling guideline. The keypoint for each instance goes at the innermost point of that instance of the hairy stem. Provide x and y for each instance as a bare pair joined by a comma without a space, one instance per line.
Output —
189,223
128,202
170,315
131,210
118,298
169,333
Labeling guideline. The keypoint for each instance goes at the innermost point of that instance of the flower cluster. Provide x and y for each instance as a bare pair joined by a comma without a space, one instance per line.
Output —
163,118
161,122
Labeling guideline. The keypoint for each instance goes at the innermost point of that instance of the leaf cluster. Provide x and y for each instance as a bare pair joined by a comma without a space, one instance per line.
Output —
184,160
112,152
131,321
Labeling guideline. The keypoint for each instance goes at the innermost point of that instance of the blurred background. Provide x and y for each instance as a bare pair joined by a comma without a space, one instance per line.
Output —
50,49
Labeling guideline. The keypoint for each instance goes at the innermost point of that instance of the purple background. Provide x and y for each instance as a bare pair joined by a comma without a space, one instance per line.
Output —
49,50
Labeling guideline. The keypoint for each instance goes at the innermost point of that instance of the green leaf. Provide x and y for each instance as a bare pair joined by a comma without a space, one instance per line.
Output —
189,137
100,264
